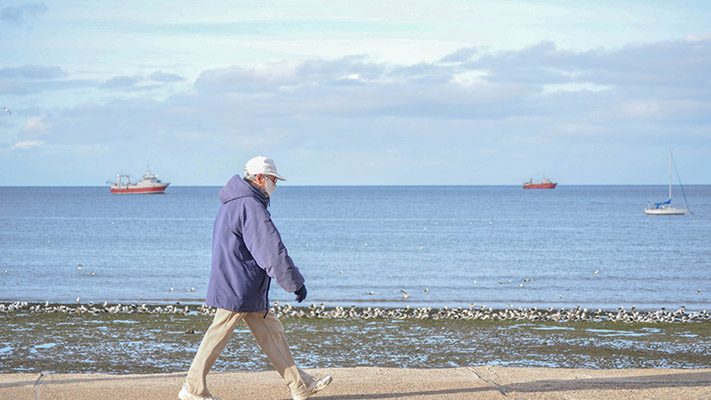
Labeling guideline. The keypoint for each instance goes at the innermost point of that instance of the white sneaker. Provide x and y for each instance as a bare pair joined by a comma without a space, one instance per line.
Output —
185,395
315,386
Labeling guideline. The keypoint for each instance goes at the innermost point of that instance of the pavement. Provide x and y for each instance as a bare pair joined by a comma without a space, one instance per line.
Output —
485,382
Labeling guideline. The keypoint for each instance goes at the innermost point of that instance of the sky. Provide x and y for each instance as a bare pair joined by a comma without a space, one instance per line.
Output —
386,92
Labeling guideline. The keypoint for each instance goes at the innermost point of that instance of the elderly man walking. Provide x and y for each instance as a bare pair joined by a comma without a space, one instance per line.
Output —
247,253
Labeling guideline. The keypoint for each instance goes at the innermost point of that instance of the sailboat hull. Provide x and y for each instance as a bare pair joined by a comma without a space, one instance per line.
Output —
665,211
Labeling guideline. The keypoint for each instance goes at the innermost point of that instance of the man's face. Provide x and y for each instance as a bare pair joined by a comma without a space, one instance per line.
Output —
262,180
267,183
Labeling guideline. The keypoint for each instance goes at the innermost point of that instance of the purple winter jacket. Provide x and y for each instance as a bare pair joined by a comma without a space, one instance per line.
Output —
247,252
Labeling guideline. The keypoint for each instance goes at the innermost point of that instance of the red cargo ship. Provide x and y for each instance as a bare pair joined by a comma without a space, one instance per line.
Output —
150,184
546,184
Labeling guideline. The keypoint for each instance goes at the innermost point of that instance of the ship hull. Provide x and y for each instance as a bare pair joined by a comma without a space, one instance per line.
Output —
139,190
665,211
539,185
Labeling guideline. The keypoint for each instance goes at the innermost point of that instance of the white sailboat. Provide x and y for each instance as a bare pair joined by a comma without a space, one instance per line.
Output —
665,207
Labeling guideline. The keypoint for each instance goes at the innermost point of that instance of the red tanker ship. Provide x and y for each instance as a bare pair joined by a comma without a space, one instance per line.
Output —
546,184
150,184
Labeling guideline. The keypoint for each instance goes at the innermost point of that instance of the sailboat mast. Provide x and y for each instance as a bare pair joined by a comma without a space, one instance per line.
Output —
670,175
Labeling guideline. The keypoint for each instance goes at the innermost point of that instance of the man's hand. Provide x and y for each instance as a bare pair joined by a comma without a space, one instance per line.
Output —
300,294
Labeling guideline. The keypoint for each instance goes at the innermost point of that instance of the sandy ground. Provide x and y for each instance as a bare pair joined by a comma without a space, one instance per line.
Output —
484,382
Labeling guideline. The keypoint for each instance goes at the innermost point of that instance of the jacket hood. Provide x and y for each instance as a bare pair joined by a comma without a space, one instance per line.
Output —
237,188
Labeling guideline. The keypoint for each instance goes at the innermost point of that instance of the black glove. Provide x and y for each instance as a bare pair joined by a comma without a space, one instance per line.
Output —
300,294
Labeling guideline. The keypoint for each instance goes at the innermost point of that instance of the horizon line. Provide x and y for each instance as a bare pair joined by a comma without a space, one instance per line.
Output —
380,185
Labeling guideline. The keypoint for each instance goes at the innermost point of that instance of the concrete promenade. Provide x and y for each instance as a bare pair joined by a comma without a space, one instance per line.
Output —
483,382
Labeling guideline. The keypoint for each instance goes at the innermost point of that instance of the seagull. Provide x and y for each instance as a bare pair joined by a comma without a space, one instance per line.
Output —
404,294
80,266
595,272
6,110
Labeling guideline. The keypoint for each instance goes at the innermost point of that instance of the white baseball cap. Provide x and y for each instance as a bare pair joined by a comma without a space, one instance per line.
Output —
262,165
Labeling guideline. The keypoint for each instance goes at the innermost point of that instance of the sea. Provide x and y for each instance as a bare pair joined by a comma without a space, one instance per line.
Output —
370,246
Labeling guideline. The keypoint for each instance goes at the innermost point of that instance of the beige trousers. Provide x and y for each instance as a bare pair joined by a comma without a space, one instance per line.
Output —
269,333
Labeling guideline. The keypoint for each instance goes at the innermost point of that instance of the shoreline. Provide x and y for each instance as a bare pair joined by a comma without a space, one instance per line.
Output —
481,382
131,339
483,313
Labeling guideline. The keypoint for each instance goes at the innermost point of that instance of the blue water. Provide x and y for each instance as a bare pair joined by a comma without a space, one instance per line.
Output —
351,241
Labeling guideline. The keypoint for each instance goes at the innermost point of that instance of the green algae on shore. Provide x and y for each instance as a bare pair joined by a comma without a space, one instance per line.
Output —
153,342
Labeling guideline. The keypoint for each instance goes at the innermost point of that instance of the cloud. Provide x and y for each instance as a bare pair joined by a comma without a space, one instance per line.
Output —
26,145
140,83
40,78
642,109
463,54
273,76
160,76
536,105
601,90
698,37
542,81
120,82
33,72
18,15
12,87
36,126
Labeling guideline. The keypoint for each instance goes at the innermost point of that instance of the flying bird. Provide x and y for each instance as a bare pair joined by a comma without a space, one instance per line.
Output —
7,110
404,294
